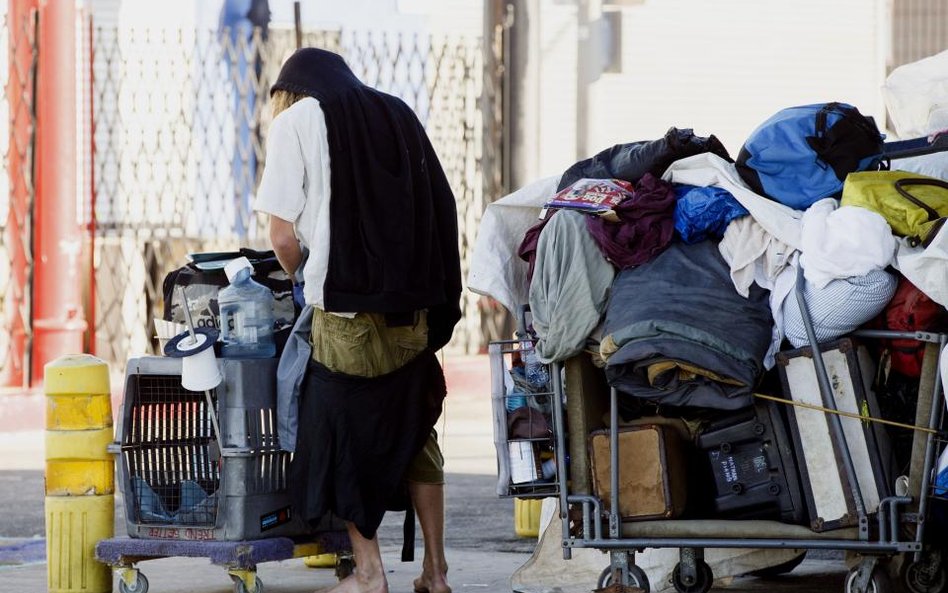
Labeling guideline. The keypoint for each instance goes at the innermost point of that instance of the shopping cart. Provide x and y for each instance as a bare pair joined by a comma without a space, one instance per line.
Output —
895,528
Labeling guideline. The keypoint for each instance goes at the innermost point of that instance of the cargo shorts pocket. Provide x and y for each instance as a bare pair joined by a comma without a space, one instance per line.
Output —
407,342
339,343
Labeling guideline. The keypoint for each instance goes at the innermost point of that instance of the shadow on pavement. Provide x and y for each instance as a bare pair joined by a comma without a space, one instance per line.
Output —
476,517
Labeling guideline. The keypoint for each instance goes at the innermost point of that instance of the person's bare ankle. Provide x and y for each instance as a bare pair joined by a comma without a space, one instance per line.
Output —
360,582
432,581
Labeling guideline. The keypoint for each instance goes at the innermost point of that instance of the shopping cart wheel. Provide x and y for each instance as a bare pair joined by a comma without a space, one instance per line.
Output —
927,575
878,581
139,584
702,582
241,587
637,578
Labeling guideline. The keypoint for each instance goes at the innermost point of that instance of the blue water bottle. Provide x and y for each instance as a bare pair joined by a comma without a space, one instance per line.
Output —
246,314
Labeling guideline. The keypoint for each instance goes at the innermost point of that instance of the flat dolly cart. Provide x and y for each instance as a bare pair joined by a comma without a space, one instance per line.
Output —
899,523
238,558
203,475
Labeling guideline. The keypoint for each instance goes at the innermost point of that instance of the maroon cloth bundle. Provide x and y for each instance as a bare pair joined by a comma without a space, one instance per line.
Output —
645,228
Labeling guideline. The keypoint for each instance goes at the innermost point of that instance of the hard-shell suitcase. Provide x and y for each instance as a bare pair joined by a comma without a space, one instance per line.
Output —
653,469
829,494
750,456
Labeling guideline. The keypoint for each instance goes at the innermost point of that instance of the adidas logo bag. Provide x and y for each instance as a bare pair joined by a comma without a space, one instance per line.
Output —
203,278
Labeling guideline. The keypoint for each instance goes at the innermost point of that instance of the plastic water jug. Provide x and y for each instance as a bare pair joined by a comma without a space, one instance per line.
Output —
246,314
537,375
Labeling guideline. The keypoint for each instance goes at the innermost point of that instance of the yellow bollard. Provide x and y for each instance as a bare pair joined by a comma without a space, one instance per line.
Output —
527,516
80,474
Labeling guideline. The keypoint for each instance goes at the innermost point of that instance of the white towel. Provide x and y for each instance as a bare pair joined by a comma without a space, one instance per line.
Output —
927,268
842,242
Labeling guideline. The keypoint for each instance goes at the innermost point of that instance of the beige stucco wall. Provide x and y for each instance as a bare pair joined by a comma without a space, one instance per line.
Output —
719,67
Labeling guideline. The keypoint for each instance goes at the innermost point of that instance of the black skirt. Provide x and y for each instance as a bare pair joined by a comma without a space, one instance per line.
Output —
357,437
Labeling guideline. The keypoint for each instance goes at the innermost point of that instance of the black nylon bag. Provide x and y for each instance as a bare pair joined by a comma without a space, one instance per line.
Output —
202,286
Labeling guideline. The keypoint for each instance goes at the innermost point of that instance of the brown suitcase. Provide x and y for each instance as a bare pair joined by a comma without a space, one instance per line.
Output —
652,470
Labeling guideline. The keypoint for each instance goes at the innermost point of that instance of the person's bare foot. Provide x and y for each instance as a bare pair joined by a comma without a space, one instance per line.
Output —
432,582
360,583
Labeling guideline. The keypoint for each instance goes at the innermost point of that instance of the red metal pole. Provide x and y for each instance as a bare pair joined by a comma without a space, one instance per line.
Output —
90,232
58,320
19,92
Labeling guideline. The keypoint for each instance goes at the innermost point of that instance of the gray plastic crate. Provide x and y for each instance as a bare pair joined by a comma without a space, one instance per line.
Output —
178,481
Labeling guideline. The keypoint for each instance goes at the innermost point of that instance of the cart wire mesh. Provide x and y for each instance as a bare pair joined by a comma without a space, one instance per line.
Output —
523,421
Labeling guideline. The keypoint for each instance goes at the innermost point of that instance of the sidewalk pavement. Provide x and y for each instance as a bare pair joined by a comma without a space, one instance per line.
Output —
482,548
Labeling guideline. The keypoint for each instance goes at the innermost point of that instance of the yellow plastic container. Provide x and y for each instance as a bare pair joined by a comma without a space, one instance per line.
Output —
527,516
80,474
321,561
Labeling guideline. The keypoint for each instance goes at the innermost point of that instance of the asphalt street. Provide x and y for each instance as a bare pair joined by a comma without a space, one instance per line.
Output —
477,521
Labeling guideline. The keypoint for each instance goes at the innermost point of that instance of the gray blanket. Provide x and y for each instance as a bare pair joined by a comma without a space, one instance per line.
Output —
570,287
681,309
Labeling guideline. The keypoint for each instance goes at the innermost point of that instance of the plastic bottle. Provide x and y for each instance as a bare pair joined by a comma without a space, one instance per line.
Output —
515,400
536,373
548,468
246,314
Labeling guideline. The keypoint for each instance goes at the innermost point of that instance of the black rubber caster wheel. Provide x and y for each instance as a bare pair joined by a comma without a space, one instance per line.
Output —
637,578
925,576
140,586
878,583
703,580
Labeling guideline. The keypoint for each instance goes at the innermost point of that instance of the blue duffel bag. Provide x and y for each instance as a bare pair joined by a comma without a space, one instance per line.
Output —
803,154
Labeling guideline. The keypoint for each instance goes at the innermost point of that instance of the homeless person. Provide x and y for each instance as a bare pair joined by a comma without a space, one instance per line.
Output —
351,175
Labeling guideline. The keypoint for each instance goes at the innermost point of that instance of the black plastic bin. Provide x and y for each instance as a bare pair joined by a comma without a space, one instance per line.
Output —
750,456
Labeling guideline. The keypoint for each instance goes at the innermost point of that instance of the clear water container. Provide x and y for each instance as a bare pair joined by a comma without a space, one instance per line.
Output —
537,375
246,314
